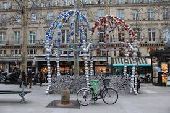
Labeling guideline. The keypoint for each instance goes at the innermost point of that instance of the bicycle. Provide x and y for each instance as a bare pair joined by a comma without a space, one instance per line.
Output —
122,84
108,94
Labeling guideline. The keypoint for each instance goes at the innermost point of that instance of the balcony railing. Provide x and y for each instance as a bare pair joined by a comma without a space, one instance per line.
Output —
49,4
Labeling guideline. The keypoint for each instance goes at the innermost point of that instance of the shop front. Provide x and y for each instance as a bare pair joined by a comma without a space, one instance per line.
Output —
143,66
161,64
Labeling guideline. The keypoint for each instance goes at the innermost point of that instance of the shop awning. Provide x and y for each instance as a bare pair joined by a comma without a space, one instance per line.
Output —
141,61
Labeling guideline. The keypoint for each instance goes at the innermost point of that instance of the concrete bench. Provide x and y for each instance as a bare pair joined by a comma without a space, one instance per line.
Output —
21,93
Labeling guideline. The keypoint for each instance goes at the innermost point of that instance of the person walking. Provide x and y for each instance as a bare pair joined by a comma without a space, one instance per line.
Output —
30,76
138,82
22,79
41,78
35,78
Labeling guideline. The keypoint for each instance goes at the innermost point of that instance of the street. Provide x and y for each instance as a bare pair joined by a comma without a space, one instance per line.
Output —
152,99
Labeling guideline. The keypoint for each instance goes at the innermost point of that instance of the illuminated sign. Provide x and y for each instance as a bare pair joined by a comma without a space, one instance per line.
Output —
164,67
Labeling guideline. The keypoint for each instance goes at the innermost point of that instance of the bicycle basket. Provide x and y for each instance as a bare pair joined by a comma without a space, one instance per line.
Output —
106,82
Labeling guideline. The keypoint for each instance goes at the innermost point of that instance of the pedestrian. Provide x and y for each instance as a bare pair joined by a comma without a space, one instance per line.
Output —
30,76
35,78
22,79
138,82
41,78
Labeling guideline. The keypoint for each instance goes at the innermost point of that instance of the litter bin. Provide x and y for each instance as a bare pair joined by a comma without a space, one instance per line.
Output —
160,78
95,85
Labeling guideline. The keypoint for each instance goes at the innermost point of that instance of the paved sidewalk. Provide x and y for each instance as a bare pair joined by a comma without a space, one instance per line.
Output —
152,99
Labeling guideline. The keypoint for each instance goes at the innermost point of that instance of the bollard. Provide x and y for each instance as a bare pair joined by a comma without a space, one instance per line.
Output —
65,96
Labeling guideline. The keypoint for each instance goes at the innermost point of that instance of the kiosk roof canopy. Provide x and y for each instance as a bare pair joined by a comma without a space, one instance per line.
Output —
121,61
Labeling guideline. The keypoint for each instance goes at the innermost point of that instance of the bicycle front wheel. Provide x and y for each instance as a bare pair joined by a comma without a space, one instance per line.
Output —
110,96
84,96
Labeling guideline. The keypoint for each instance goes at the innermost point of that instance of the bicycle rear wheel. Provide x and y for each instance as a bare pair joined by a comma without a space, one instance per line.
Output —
84,96
110,96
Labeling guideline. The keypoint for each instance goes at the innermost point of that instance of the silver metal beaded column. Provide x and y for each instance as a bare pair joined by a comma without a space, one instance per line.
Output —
85,50
48,52
135,50
126,61
58,62
91,66
91,55
133,77
91,63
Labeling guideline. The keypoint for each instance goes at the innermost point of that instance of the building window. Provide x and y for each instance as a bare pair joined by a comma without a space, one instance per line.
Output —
114,51
18,18
84,12
31,51
32,37
102,53
166,34
120,1
166,13
17,37
100,2
3,17
100,13
12,52
137,31
135,1
2,52
121,52
150,1
152,34
64,35
50,16
101,36
33,17
120,13
68,2
15,52
151,14
5,5
83,35
48,4
121,34
135,14
65,53
2,37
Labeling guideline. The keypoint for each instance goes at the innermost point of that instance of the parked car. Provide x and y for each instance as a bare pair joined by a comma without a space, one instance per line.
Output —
3,76
12,77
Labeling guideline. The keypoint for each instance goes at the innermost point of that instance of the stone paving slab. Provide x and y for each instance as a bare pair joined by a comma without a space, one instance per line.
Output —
37,100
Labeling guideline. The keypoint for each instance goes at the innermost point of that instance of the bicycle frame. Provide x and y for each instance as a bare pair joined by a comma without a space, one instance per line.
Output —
108,94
